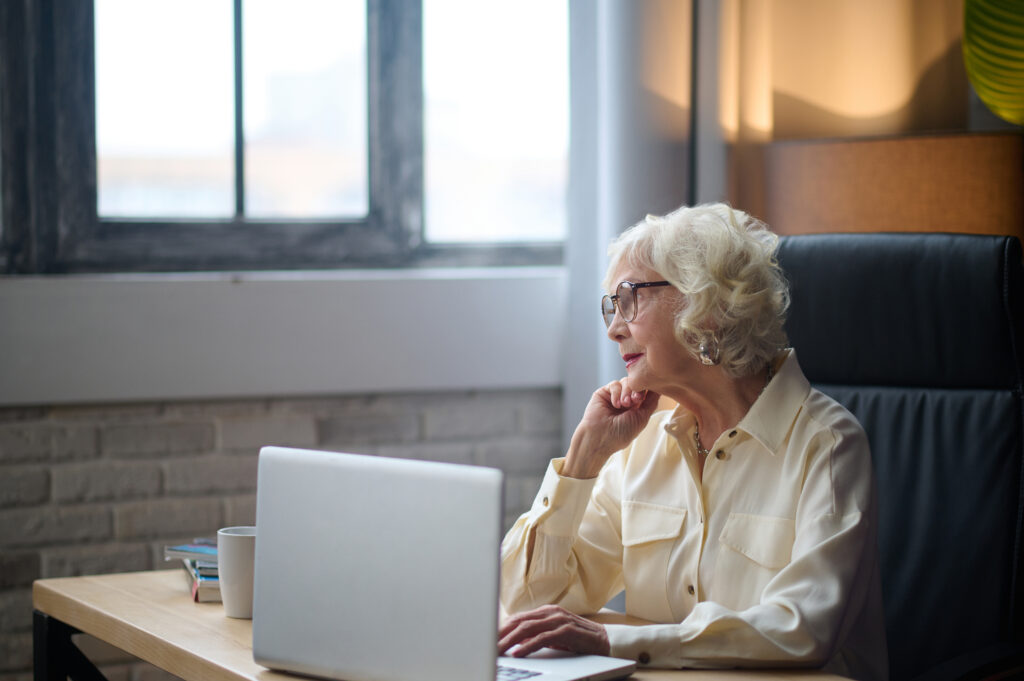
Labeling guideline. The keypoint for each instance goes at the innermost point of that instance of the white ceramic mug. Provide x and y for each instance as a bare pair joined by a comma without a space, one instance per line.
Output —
236,550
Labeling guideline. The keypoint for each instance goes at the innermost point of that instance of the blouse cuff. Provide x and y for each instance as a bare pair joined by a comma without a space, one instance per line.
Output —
559,506
650,645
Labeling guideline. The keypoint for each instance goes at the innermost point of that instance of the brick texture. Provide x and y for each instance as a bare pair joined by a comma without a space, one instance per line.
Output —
449,452
15,610
106,480
464,421
296,430
518,455
164,517
15,651
542,416
54,525
352,432
25,443
24,486
89,559
240,510
211,474
157,439
46,442
93,489
18,568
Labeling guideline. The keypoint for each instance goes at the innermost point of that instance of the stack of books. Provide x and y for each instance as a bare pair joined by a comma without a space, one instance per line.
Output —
200,562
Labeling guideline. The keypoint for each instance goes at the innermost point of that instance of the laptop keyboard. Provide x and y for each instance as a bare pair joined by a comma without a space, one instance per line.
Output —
513,674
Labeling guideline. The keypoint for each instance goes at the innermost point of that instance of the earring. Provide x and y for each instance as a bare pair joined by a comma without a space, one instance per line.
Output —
709,351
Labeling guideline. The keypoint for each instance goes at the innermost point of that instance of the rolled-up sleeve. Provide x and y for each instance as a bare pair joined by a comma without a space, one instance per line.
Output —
567,549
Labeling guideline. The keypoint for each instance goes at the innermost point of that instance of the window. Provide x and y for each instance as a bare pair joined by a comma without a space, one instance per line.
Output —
165,116
227,195
496,119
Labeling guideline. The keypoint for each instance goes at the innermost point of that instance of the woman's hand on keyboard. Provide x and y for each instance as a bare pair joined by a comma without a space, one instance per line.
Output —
551,626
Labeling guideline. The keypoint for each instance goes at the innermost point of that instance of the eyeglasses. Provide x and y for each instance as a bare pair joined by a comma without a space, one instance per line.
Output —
625,300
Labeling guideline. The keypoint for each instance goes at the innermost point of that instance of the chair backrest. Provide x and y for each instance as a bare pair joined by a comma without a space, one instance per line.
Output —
920,336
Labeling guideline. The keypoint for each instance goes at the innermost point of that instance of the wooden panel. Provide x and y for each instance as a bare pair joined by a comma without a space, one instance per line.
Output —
957,183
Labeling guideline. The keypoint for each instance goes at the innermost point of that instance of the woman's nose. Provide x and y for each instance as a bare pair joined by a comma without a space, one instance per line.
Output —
618,329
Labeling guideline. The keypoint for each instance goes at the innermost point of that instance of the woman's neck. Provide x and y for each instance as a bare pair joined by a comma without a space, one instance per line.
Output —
718,401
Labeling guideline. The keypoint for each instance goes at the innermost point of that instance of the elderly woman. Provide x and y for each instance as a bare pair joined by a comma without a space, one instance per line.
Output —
741,524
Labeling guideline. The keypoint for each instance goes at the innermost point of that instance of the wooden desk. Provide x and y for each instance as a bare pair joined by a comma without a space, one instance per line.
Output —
150,615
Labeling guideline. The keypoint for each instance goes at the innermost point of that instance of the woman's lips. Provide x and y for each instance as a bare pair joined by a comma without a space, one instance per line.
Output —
631,358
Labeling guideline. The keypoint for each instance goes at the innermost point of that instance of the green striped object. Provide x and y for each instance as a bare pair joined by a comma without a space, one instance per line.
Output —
993,48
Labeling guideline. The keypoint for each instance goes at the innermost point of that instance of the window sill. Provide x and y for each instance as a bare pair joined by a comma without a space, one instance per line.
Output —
116,338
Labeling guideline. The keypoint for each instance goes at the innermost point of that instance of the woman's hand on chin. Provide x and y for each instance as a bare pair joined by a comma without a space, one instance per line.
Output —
615,415
551,626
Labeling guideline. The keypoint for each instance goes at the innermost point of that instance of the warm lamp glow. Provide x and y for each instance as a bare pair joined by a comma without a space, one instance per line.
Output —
666,64
848,58
806,68
729,70
755,74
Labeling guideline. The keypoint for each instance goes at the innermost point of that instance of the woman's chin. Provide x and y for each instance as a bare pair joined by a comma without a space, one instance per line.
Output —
635,383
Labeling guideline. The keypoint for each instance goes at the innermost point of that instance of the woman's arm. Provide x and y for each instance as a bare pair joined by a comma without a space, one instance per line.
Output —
567,549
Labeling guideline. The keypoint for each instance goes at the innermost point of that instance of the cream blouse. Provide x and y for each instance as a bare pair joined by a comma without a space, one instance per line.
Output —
769,560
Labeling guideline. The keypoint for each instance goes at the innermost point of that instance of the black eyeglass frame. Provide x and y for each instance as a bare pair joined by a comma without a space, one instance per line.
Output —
608,313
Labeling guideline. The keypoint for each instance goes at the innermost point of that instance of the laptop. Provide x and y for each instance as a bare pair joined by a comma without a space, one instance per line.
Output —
378,569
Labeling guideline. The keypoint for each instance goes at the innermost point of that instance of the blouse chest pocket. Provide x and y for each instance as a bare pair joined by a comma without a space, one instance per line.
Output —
766,540
644,522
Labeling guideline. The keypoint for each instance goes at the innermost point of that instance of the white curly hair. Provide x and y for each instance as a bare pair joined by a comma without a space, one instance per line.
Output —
735,295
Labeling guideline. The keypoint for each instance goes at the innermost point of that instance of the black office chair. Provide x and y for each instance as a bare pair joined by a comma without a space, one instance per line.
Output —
922,337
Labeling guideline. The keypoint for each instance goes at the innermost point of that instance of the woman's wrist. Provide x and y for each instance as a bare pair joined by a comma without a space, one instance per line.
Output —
572,470
583,460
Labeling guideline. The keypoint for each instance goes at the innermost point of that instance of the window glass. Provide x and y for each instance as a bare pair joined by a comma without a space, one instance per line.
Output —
305,108
495,145
164,108
496,120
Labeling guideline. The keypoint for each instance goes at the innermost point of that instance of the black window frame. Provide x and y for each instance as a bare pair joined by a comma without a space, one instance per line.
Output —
49,222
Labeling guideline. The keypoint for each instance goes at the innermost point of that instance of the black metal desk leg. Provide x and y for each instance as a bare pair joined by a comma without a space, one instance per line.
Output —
55,657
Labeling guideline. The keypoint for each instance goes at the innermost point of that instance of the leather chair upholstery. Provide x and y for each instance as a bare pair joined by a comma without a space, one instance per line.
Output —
921,336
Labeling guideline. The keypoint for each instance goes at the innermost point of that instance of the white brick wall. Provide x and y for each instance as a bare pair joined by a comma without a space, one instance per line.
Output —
99,489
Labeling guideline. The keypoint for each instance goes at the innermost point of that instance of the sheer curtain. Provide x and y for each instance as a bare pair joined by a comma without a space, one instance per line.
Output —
630,65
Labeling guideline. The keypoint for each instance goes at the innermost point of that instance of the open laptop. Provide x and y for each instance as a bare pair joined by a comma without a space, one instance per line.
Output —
376,569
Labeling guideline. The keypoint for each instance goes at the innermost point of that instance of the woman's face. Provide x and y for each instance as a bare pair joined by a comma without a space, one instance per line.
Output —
654,359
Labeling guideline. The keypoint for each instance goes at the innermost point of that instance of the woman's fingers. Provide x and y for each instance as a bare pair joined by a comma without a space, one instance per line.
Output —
621,397
520,631
615,394
613,417
650,401
551,626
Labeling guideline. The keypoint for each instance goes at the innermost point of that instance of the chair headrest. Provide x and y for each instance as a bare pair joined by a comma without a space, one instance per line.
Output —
930,310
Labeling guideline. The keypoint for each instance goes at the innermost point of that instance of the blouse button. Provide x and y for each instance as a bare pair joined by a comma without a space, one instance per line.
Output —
720,454
732,433
643,658
691,590
544,501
